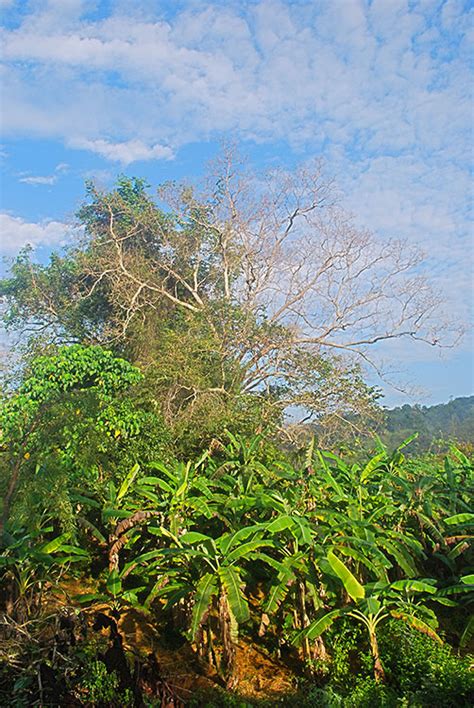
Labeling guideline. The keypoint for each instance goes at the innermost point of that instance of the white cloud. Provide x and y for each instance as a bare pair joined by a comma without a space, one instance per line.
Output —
47,179
324,71
15,233
382,88
124,152
60,169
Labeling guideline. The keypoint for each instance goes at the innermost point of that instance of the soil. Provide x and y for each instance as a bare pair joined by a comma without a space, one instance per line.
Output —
259,676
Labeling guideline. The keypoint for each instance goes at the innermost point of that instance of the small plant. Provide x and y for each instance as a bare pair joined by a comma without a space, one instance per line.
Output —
97,686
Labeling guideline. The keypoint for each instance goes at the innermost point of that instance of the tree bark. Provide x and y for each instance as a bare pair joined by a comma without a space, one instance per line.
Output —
228,646
118,538
379,672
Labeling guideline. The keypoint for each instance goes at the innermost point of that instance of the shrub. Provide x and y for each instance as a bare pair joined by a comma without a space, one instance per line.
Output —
423,671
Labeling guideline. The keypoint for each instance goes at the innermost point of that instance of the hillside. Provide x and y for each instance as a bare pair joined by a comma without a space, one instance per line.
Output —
447,421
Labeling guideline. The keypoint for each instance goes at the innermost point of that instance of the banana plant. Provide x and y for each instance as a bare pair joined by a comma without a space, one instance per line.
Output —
210,570
241,461
28,563
458,482
296,590
372,604
459,537
114,521
179,491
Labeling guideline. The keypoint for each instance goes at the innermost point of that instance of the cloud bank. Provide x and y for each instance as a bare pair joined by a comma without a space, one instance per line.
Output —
18,233
381,89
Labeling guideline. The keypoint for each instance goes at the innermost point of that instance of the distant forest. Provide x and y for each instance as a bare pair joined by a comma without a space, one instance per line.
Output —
446,421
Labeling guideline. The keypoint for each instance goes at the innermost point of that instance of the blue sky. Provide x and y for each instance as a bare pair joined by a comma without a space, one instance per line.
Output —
380,89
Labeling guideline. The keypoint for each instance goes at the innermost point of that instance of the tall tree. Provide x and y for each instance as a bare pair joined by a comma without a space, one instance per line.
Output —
254,293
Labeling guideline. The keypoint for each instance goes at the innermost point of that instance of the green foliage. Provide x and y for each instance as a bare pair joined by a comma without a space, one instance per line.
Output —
447,421
97,686
70,425
29,564
425,672
140,447
242,539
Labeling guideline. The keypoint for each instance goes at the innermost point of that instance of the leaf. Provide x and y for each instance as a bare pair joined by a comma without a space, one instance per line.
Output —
74,550
272,562
417,623
156,482
64,560
353,588
128,481
278,592
226,542
115,514
444,601
149,555
373,605
131,597
400,554
194,537
459,548
460,456
206,588
93,529
337,488
54,545
407,441
305,530
246,548
162,468
91,597
454,590
280,524
232,582
85,500
316,628
200,506
234,626
460,519
372,465
413,586
468,579
144,492
380,572
113,583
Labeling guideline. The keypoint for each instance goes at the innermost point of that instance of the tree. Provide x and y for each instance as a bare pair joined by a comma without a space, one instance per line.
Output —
251,296
213,570
373,605
69,425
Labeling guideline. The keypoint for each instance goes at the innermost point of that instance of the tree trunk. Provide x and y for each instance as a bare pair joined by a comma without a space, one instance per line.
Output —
7,499
379,672
304,622
118,538
228,645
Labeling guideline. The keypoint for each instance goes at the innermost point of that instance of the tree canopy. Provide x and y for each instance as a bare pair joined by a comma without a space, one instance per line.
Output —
250,295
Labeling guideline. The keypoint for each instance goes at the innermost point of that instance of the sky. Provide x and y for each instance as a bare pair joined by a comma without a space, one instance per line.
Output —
381,90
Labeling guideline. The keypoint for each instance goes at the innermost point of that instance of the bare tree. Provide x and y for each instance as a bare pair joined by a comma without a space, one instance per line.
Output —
291,290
